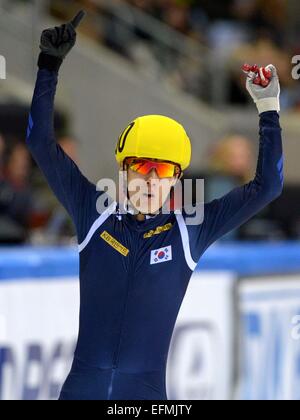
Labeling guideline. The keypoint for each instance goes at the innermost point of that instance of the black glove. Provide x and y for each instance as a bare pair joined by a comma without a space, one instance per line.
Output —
57,42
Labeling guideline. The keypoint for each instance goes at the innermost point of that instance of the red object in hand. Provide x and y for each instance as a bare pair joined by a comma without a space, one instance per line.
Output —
267,73
257,81
247,68
263,71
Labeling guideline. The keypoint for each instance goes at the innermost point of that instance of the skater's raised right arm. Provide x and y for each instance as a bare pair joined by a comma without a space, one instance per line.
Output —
64,177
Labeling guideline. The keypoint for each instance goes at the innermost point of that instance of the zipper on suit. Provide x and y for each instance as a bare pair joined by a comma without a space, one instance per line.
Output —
117,351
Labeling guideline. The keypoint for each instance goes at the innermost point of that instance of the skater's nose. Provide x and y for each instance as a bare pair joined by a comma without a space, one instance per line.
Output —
152,175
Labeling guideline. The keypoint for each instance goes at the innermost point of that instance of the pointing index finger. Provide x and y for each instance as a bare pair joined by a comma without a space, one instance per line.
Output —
78,18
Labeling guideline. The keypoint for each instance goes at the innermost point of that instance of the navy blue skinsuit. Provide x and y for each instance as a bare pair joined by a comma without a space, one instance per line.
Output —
131,294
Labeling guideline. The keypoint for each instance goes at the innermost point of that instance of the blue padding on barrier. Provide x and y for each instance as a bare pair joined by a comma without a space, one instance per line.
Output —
244,259
17,263
253,258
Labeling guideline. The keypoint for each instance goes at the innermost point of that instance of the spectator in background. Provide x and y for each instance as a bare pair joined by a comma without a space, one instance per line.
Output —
231,29
233,156
230,165
262,50
269,15
16,202
17,168
178,17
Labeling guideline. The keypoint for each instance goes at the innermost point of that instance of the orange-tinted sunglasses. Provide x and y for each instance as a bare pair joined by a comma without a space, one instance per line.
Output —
144,166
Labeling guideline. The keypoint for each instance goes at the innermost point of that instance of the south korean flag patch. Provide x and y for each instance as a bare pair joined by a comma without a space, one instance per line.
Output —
161,255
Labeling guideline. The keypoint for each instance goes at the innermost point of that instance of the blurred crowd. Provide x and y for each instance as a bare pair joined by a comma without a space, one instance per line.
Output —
29,213
229,32
231,162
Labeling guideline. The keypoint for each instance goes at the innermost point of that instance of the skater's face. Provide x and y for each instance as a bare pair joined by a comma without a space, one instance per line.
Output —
149,191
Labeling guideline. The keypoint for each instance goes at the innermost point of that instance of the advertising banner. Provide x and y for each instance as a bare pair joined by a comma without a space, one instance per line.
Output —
270,338
201,358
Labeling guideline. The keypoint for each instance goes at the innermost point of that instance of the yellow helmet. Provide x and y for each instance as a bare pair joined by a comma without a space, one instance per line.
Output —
155,137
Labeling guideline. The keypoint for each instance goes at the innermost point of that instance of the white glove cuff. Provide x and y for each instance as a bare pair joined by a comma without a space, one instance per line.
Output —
268,104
